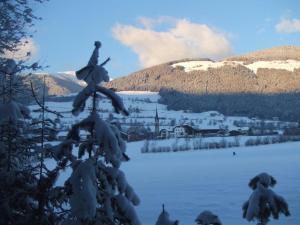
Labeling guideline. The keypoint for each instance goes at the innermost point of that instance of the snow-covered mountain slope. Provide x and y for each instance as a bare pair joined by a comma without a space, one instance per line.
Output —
275,70
69,76
289,65
59,84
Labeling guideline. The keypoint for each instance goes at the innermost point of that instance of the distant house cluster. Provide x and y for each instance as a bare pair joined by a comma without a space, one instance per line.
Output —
186,130
189,131
254,128
160,129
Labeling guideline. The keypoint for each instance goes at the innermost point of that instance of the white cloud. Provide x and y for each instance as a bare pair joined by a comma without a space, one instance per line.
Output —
150,23
182,39
288,26
25,47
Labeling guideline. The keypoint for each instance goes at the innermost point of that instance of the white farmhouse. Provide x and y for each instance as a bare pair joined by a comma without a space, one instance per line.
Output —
179,131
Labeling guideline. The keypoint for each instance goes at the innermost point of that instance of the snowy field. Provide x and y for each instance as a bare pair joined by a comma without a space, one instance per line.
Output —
289,65
190,182
193,181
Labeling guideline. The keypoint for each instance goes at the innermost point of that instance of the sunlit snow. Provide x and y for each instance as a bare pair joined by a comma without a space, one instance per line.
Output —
289,65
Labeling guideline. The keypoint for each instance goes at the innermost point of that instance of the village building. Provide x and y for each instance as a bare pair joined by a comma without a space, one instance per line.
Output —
186,130
164,133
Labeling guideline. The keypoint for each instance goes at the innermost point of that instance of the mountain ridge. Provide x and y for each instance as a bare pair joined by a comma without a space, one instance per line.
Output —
59,84
275,53
239,74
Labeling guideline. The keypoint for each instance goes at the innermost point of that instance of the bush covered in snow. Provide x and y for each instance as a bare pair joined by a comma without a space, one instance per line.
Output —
208,218
263,201
164,218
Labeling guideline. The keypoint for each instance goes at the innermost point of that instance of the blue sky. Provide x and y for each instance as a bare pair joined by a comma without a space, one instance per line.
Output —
137,34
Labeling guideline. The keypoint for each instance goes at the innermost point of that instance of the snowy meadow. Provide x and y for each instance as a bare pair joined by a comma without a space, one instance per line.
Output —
191,182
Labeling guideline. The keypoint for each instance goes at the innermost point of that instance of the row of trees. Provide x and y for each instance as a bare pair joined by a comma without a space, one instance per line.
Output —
187,145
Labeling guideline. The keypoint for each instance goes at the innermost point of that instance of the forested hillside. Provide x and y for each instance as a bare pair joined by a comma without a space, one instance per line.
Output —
286,106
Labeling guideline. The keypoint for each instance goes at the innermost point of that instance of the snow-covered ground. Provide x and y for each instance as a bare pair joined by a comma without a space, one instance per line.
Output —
193,181
190,182
289,65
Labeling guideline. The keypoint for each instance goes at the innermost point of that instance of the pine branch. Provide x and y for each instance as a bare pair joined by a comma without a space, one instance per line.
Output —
42,106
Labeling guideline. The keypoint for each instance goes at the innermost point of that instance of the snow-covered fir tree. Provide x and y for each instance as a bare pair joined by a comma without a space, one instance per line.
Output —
208,218
164,218
97,190
263,201
19,186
